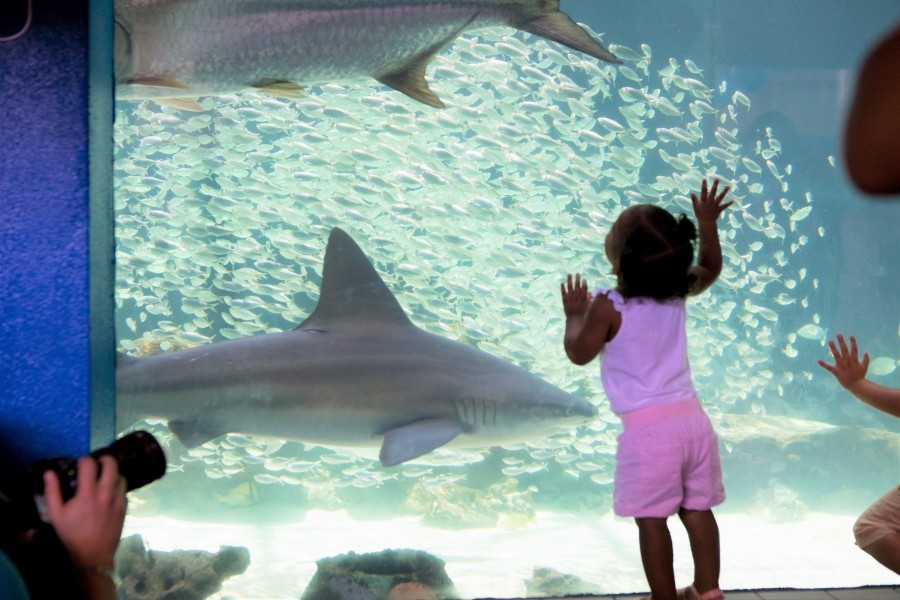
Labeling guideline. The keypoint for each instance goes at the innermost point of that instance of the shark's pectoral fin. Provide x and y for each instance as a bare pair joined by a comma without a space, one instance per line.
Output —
195,433
413,440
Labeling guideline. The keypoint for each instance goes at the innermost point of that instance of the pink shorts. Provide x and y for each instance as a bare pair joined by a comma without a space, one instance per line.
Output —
667,459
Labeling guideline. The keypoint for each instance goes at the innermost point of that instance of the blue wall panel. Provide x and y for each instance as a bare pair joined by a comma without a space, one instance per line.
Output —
45,335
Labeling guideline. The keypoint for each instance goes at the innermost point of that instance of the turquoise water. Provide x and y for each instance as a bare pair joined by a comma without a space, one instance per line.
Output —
472,215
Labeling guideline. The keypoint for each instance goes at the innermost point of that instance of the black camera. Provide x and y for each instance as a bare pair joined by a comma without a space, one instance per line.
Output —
140,458
30,541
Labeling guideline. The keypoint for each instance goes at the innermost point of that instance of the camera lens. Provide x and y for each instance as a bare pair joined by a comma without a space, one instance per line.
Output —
140,458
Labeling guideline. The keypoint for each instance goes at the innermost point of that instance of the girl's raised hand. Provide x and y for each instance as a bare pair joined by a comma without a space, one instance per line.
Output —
709,205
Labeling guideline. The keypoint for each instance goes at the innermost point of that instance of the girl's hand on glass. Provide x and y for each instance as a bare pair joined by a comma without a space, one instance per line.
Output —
708,206
575,296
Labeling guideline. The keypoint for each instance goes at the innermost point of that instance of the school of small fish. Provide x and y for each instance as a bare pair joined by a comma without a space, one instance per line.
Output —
475,212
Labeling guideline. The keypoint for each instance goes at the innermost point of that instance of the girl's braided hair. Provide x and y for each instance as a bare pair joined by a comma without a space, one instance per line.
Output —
656,255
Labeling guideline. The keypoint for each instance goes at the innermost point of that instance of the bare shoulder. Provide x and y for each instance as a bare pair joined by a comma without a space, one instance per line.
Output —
602,310
601,301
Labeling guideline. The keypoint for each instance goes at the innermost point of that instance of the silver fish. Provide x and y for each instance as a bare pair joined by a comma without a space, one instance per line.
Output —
355,373
171,49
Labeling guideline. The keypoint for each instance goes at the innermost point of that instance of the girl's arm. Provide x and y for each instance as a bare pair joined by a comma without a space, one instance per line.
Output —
707,209
589,323
851,374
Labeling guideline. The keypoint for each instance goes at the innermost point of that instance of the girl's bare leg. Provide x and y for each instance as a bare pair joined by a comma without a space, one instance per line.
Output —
703,533
656,555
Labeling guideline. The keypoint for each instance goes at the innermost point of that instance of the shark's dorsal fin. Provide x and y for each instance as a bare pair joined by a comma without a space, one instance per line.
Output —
412,441
352,294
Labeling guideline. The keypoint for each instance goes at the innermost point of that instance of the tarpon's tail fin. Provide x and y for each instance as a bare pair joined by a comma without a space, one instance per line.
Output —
549,22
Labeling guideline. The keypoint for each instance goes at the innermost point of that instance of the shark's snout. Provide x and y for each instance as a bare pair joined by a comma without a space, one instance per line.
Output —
581,413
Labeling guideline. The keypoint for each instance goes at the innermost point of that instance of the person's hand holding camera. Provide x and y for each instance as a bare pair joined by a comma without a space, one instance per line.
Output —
90,524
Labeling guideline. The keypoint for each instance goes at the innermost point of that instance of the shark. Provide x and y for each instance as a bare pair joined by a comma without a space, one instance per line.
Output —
356,373
173,51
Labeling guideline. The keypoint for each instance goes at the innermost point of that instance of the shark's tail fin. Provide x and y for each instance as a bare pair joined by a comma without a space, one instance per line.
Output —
549,22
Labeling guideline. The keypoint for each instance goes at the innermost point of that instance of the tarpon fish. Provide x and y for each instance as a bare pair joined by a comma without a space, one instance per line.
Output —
171,49
356,373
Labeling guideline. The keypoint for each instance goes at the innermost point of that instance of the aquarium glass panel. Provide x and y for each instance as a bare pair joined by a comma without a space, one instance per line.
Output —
340,238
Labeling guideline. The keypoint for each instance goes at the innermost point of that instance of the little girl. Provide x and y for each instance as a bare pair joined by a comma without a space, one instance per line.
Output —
667,460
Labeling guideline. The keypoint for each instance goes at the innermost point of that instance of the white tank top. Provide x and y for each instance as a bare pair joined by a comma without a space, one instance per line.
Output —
646,363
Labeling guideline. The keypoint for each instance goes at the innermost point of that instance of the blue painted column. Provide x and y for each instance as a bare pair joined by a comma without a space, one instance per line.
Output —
56,248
